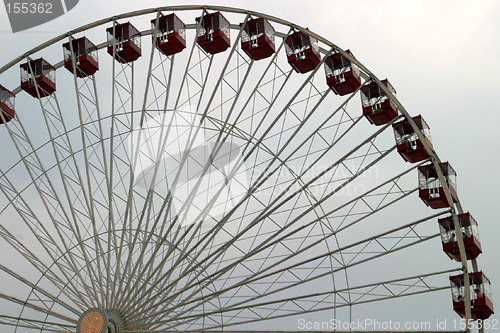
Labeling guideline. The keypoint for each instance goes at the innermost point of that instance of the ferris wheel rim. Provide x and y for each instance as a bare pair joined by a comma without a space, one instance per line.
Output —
434,158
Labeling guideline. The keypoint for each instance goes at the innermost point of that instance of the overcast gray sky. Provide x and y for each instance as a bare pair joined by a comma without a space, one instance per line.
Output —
443,58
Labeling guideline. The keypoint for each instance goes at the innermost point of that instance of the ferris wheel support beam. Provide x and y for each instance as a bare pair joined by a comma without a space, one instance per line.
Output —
19,247
391,289
104,160
42,268
291,233
254,278
341,107
320,309
36,308
38,289
252,94
387,286
134,162
31,220
232,173
216,142
120,166
167,201
91,199
286,108
189,144
88,196
54,118
216,145
147,207
257,219
312,134
34,324
58,149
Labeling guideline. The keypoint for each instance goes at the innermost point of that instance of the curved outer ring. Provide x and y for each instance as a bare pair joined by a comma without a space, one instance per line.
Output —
433,155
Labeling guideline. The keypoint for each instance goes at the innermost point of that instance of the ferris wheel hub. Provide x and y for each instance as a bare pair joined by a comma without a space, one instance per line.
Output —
96,320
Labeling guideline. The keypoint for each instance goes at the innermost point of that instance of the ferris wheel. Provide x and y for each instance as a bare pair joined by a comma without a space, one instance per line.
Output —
204,168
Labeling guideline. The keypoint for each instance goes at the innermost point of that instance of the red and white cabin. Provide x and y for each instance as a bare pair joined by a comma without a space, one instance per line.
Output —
342,76
257,39
124,42
85,55
409,146
213,33
38,78
170,34
430,189
302,52
6,105
378,108
470,234
481,301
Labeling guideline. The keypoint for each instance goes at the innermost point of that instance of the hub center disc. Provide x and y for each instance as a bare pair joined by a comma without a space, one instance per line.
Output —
93,321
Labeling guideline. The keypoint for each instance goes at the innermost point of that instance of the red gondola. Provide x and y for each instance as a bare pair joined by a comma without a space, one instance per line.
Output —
342,76
126,40
170,34
430,190
378,108
38,78
257,39
85,54
213,33
468,228
6,105
410,147
302,52
481,301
